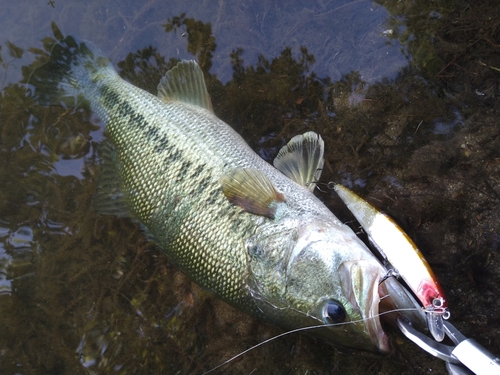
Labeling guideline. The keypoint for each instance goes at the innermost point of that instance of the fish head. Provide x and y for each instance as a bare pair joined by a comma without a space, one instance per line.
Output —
318,274
343,291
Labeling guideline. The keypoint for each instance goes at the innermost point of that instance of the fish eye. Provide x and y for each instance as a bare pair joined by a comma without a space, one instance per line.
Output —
333,312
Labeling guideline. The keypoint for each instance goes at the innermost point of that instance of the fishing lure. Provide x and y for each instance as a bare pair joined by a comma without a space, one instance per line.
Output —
403,257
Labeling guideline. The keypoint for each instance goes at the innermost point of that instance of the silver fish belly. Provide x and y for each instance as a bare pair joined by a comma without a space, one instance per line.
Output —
254,235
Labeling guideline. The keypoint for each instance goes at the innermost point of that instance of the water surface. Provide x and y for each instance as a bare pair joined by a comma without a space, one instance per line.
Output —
405,96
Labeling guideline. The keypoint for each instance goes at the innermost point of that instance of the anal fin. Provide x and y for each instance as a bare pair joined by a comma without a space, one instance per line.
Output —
109,199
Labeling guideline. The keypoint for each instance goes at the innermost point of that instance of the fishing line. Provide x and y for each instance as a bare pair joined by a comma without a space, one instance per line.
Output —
300,330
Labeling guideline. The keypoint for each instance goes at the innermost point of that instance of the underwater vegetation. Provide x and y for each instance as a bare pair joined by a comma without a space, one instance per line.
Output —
83,293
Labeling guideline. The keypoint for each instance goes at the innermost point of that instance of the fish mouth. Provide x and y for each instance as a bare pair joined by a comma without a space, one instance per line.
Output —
360,284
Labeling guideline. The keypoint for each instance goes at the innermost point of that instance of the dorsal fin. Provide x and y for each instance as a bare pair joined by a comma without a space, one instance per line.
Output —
185,82
302,160
250,189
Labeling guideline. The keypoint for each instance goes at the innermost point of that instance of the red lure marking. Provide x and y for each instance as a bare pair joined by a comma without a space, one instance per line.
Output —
428,291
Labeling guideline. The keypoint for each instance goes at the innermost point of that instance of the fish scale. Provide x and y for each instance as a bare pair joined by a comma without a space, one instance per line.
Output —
152,151
229,220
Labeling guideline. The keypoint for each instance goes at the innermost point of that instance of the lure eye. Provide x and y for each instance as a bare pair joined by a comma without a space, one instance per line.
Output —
333,312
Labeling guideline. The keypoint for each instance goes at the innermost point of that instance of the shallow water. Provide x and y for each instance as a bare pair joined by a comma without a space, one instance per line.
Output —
405,96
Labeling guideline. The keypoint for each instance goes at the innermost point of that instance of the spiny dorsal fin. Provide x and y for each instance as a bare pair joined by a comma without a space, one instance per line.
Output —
250,189
301,159
185,82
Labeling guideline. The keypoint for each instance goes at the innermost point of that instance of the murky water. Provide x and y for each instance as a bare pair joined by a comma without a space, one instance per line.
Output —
405,96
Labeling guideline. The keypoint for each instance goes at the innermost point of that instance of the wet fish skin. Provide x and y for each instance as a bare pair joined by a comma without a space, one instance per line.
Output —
163,166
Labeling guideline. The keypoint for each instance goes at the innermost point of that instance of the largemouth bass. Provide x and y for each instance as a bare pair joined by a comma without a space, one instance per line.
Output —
253,234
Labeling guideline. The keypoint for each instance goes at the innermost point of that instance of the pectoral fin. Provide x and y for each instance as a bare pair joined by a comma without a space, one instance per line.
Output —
251,190
301,159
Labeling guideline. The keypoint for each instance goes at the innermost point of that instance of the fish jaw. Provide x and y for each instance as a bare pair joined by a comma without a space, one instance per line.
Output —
360,282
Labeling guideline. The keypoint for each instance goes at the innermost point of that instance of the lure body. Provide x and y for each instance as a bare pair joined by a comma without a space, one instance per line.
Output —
404,258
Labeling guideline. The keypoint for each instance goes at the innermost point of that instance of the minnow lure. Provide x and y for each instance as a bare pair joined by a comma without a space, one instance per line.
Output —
404,258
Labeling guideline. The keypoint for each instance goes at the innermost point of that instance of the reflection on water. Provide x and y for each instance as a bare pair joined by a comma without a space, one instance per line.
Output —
448,127
389,88
5,260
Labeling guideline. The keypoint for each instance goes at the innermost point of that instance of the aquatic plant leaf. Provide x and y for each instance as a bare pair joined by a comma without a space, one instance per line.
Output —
15,51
